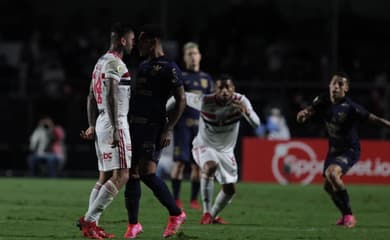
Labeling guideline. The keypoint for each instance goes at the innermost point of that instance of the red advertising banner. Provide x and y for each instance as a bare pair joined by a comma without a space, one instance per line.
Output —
301,161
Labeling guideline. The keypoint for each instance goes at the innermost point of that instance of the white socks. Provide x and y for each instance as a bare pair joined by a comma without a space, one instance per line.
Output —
220,203
94,194
207,192
105,196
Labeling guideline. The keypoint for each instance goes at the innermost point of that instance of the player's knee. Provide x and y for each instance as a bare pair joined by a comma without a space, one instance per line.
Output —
229,189
210,168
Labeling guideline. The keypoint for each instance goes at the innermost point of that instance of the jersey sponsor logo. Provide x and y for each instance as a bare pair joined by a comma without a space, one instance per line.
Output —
155,69
107,156
341,116
204,82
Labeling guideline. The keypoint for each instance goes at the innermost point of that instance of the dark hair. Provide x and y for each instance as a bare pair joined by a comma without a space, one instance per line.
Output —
119,30
343,75
224,77
151,31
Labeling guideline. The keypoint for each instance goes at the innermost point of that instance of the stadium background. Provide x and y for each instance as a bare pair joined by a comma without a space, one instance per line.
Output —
281,53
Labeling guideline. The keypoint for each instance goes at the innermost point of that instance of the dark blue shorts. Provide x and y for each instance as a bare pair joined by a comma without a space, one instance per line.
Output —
145,141
183,136
344,159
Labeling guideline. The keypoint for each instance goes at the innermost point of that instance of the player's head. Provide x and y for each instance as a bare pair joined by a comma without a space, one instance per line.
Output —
192,56
149,39
339,85
224,88
122,37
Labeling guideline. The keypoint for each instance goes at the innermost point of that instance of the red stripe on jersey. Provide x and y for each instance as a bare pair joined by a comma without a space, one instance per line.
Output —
122,151
237,97
116,54
209,115
103,76
126,74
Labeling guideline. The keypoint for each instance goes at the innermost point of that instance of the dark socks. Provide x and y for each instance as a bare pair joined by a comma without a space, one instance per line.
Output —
195,186
337,201
132,198
176,183
162,193
344,198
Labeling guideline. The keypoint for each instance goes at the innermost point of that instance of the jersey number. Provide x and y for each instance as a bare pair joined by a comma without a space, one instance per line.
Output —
97,85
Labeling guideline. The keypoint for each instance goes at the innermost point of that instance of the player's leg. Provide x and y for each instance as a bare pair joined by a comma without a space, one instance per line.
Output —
181,156
176,179
132,192
207,184
132,202
333,174
160,190
195,186
223,198
336,200
227,175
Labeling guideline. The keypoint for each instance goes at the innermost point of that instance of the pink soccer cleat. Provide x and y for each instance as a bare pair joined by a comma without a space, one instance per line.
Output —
133,230
174,223
219,220
195,205
206,218
349,221
340,221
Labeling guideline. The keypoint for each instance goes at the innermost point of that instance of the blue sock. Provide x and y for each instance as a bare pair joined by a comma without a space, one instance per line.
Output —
176,183
195,186
161,191
132,198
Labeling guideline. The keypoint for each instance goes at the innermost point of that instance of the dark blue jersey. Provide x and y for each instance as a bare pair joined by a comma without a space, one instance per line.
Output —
155,81
198,83
342,120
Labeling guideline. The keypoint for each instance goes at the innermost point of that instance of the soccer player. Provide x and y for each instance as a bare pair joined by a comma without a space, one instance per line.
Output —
158,78
342,117
107,109
198,82
213,146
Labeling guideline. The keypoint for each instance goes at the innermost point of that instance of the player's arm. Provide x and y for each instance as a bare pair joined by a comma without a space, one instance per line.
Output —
378,120
192,100
175,113
319,103
305,114
246,109
92,113
112,107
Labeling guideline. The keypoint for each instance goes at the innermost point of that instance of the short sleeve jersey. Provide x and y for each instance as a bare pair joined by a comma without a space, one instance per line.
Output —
342,120
111,66
155,81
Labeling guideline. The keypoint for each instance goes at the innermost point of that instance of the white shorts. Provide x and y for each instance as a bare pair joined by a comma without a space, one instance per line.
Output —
226,161
112,158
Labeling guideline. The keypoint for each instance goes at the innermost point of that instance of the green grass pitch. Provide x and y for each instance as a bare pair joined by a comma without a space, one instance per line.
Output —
47,209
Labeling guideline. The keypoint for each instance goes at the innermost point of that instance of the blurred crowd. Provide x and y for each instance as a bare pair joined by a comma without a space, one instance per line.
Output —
276,61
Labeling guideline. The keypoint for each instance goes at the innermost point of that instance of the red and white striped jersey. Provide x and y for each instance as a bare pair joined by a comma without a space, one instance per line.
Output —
219,124
111,66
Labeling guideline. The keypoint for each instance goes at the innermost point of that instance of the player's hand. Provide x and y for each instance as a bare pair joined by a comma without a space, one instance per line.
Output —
88,134
166,138
239,106
303,115
115,139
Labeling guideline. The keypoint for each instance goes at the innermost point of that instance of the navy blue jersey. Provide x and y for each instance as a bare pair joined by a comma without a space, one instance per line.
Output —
155,81
198,83
342,120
